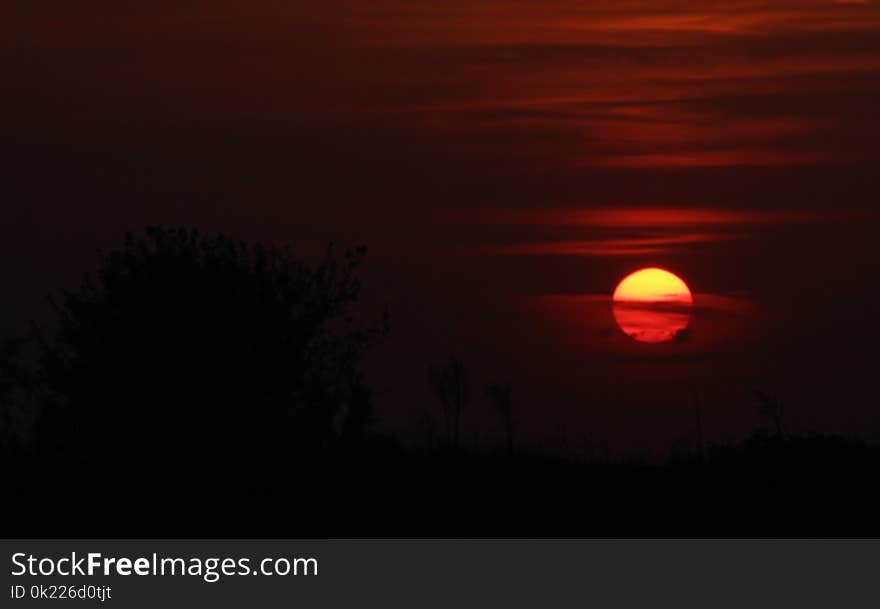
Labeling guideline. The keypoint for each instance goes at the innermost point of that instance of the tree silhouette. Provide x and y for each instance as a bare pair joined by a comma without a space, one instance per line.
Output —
187,346
17,385
499,395
7,401
451,386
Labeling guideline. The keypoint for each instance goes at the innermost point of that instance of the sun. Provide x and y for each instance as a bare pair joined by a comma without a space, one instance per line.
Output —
652,305
652,285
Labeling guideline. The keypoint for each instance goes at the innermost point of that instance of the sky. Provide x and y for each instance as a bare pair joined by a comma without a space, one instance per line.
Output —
506,163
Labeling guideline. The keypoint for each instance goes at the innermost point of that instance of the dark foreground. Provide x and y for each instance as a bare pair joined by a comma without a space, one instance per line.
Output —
766,486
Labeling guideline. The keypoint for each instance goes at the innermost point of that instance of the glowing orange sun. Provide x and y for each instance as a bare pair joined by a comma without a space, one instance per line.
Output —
652,305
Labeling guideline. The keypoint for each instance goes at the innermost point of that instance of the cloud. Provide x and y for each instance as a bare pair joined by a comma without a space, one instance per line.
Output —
616,231
636,246
716,324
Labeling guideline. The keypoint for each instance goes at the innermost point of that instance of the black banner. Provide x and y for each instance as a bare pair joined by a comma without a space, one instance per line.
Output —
452,573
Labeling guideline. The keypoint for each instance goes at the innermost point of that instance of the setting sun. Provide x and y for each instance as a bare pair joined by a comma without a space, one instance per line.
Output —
652,285
652,305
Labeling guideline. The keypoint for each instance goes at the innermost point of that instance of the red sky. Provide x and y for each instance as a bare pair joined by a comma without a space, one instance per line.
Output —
493,155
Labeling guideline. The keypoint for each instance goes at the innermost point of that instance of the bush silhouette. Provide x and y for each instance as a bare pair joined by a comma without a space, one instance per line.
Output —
185,346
